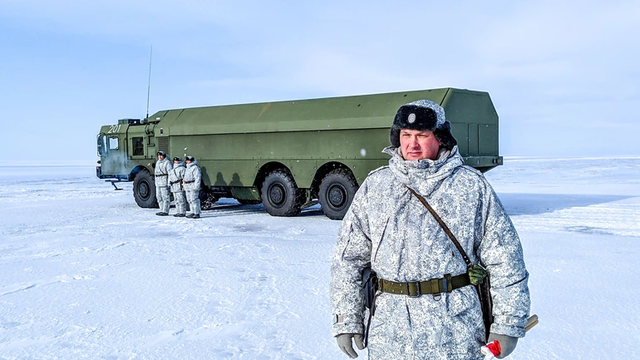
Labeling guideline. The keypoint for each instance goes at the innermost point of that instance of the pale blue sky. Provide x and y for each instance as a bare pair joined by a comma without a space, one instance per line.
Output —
563,75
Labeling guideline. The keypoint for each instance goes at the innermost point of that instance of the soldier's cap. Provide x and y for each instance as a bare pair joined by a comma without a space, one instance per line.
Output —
161,153
189,158
423,115
177,159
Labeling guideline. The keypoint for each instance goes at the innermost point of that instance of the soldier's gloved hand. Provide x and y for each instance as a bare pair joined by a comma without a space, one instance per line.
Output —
345,344
507,344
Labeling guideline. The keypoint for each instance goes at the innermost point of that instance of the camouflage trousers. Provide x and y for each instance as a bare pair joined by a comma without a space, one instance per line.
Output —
180,201
423,328
163,197
193,197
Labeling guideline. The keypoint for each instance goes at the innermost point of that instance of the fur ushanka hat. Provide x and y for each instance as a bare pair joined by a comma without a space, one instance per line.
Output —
424,115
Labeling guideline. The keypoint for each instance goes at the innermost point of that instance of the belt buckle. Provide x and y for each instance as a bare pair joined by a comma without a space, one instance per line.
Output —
416,285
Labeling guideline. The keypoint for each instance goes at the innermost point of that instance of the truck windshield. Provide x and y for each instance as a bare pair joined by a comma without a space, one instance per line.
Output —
102,140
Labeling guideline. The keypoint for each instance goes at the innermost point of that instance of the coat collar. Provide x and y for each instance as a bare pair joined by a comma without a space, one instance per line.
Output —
423,175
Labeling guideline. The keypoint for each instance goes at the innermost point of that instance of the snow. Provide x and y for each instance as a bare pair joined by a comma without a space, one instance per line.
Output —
85,273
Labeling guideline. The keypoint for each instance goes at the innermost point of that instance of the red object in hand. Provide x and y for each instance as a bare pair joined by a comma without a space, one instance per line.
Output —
494,347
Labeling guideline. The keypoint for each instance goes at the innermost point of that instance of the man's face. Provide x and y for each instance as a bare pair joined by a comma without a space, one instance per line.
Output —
160,157
418,144
176,162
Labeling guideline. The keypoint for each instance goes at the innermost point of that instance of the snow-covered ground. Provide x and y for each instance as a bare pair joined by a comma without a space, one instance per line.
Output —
85,273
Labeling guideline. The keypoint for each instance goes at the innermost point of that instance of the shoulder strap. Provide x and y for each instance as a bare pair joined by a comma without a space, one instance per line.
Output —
444,226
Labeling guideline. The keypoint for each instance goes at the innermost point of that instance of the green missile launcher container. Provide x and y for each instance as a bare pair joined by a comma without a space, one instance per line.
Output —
287,155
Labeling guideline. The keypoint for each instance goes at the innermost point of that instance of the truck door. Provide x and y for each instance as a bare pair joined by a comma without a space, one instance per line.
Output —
137,143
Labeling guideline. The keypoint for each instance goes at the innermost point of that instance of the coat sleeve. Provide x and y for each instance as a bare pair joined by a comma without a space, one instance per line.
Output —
352,253
500,252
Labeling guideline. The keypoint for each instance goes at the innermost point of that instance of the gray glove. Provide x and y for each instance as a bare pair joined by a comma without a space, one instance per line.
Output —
345,344
507,344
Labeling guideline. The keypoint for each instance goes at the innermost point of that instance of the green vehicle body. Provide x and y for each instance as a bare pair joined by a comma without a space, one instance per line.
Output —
281,153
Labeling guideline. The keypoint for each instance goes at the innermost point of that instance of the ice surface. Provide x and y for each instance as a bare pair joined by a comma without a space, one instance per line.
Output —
85,273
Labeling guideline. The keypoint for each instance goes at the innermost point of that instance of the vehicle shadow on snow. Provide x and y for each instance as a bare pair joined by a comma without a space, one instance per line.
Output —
233,209
533,204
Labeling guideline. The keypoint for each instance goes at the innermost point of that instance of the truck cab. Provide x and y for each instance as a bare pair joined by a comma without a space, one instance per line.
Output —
127,149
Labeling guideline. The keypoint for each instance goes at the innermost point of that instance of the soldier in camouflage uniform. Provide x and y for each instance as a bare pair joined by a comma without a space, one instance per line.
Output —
192,179
389,229
175,182
163,166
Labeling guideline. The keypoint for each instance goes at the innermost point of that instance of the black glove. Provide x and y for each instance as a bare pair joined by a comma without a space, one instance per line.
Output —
345,344
507,344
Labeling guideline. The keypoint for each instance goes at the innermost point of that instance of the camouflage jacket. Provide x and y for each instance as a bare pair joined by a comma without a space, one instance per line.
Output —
162,172
192,177
175,177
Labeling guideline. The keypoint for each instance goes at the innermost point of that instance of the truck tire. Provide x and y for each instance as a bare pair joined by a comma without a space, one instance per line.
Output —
280,194
336,192
144,190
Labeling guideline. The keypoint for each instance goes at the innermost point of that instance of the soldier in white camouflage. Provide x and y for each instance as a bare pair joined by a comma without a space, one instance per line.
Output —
163,166
176,176
192,179
389,229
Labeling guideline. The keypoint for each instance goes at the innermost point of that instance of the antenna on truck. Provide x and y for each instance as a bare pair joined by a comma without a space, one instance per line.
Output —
149,83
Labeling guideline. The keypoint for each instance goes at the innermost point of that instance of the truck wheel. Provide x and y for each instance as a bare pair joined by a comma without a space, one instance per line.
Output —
337,190
144,190
280,195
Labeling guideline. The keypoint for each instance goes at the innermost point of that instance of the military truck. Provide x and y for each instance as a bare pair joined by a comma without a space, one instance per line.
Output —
287,155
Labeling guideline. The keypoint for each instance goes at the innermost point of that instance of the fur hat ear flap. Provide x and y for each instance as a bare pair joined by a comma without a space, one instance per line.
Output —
443,134
394,136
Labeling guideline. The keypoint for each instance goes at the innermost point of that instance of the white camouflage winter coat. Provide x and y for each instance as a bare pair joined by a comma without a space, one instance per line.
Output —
162,172
192,177
388,227
175,177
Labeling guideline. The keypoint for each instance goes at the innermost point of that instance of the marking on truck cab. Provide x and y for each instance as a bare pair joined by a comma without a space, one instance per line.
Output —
114,129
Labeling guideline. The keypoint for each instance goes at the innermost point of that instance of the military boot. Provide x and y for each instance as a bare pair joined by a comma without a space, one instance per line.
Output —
162,213
196,216
190,215
179,215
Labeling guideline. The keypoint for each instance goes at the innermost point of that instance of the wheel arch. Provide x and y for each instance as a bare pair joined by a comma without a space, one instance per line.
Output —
136,170
265,170
322,171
